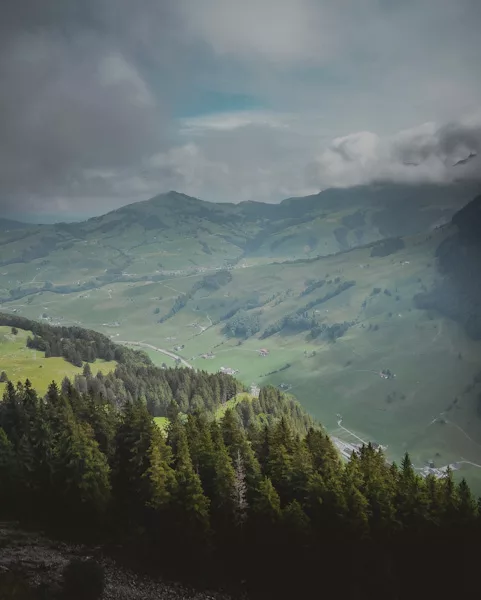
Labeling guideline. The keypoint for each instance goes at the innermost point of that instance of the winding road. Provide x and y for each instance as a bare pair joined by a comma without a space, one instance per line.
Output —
161,350
339,422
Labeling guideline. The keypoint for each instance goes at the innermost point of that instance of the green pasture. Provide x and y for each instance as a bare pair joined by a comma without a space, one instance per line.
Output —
21,363
340,378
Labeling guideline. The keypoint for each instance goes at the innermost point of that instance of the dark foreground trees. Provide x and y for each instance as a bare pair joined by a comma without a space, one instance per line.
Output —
221,503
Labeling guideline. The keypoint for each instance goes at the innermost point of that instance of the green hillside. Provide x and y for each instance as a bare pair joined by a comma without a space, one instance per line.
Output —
386,331
20,362
174,234
214,284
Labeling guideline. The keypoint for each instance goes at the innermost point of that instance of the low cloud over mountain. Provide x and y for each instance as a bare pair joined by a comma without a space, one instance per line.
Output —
423,154
107,102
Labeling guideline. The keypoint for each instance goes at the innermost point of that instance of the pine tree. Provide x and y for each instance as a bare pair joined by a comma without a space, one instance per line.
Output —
66,386
25,466
450,499
10,415
239,499
103,418
224,477
190,501
236,441
53,394
232,431
357,506
282,435
200,443
175,428
378,487
326,504
131,462
434,499
302,469
45,448
279,467
467,509
411,497
83,472
87,371
268,503
324,455
7,472
295,520
160,474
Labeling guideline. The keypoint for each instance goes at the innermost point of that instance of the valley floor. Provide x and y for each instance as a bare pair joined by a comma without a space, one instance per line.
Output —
429,408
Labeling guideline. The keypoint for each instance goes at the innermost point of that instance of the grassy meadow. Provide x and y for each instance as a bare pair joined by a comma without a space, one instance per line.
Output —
21,363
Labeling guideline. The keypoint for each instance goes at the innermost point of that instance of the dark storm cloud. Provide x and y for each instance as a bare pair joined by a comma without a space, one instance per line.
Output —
73,98
458,137
450,142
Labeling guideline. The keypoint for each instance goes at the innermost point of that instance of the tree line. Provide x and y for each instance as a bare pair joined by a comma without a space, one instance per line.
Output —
158,388
266,507
188,392
76,344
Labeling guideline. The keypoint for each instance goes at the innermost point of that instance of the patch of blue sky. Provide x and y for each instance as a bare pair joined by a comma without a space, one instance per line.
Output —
213,102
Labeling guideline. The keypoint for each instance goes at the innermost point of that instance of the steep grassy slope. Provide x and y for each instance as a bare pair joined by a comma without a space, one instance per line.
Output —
325,284
176,234
429,408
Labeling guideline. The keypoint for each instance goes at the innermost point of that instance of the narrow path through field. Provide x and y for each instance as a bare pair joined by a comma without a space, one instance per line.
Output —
161,350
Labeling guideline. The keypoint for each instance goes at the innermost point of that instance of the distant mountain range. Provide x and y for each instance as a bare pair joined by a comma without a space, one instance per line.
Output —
331,221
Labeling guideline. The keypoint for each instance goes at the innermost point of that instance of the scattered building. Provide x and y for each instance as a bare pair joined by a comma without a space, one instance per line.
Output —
387,374
263,352
228,371
439,473
345,448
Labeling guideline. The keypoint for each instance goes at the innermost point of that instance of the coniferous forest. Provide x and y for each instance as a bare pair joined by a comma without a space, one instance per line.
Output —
255,504
76,344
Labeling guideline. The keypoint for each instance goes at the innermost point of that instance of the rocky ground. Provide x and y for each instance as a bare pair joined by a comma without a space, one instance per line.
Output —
33,565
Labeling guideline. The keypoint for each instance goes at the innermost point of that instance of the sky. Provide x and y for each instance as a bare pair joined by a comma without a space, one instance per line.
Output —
107,102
